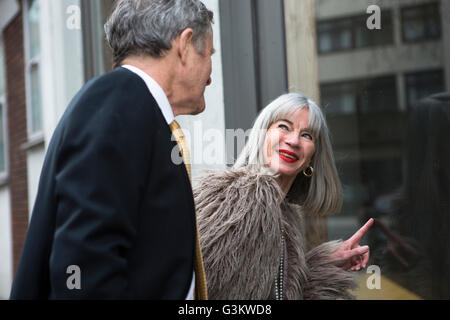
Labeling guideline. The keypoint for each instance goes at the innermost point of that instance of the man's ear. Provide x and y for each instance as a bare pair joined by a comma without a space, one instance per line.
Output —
185,40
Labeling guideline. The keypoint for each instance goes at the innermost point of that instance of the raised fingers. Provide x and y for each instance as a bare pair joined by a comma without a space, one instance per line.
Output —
354,240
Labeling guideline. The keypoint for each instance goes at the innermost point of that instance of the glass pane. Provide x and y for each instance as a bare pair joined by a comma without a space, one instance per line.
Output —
413,30
334,35
412,13
2,141
423,84
36,113
34,28
343,39
325,42
391,157
421,22
338,98
433,27
378,95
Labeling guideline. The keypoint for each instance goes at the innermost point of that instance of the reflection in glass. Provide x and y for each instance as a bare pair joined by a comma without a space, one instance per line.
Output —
352,32
392,167
422,84
421,22
411,238
364,37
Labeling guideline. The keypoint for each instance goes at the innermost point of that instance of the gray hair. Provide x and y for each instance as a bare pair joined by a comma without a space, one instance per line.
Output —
148,27
319,195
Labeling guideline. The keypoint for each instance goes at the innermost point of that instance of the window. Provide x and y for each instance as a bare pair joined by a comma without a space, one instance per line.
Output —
32,64
365,37
422,84
3,168
421,23
339,98
364,96
391,158
352,33
378,95
334,35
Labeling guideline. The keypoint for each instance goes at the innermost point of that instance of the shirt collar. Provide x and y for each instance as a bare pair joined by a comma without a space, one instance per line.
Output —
156,91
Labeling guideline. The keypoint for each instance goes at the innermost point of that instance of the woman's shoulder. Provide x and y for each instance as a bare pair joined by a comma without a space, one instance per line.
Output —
240,190
242,178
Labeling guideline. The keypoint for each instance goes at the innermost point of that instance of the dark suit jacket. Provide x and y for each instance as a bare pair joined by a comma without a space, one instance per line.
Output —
110,201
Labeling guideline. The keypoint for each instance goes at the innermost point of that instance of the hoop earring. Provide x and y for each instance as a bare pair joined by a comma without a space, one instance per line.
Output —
308,172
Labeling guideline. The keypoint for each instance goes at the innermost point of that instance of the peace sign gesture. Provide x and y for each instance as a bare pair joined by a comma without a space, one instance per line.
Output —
350,255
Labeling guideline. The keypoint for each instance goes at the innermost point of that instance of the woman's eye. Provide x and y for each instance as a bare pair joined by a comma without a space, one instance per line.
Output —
307,136
283,126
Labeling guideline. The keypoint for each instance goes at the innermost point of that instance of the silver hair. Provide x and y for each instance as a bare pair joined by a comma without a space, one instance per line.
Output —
148,27
319,195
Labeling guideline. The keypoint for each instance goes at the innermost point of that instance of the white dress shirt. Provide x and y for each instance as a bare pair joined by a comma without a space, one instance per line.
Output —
163,103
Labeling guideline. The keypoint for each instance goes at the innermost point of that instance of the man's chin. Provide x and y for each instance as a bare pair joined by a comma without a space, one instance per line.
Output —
199,110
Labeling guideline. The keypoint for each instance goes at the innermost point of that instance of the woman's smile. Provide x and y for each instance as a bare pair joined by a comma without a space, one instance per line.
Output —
288,156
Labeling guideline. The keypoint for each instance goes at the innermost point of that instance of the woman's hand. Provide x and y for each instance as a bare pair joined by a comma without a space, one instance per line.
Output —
350,254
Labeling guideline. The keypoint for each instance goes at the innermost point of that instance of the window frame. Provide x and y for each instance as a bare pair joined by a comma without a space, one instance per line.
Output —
421,72
355,88
355,22
30,64
423,16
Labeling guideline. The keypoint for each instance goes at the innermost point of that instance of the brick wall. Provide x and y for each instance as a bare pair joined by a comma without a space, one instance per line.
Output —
17,132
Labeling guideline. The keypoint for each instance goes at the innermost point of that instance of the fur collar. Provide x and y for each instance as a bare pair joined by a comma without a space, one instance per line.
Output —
240,216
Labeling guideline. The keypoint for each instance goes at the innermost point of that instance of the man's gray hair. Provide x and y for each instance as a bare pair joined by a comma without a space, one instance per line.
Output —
148,27
319,195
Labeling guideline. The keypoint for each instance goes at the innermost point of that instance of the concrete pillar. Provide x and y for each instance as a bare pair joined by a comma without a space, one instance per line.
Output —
301,48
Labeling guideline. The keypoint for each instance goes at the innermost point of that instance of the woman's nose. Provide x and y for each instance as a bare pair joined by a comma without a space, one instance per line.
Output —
292,139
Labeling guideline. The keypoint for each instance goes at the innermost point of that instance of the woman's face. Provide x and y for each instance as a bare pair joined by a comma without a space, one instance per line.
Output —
290,145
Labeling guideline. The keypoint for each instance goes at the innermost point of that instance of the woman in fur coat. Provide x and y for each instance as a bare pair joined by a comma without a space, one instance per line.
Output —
249,217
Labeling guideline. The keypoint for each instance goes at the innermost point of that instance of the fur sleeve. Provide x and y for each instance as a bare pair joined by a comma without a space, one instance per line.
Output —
238,219
325,280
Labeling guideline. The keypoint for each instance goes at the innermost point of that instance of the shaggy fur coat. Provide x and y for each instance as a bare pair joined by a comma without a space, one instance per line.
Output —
241,215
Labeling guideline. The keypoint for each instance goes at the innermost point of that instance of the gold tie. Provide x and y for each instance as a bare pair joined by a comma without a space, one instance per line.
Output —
201,291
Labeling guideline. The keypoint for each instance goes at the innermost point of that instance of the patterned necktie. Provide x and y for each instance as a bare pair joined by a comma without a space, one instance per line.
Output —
201,292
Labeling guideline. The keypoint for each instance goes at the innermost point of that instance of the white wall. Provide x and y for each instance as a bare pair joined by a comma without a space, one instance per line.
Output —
206,131
35,158
62,59
61,75
5,244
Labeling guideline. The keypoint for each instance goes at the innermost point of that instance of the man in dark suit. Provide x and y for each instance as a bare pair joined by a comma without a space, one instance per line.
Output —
114,216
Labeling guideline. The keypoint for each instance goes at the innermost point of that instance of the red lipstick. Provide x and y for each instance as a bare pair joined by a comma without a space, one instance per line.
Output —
288,156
